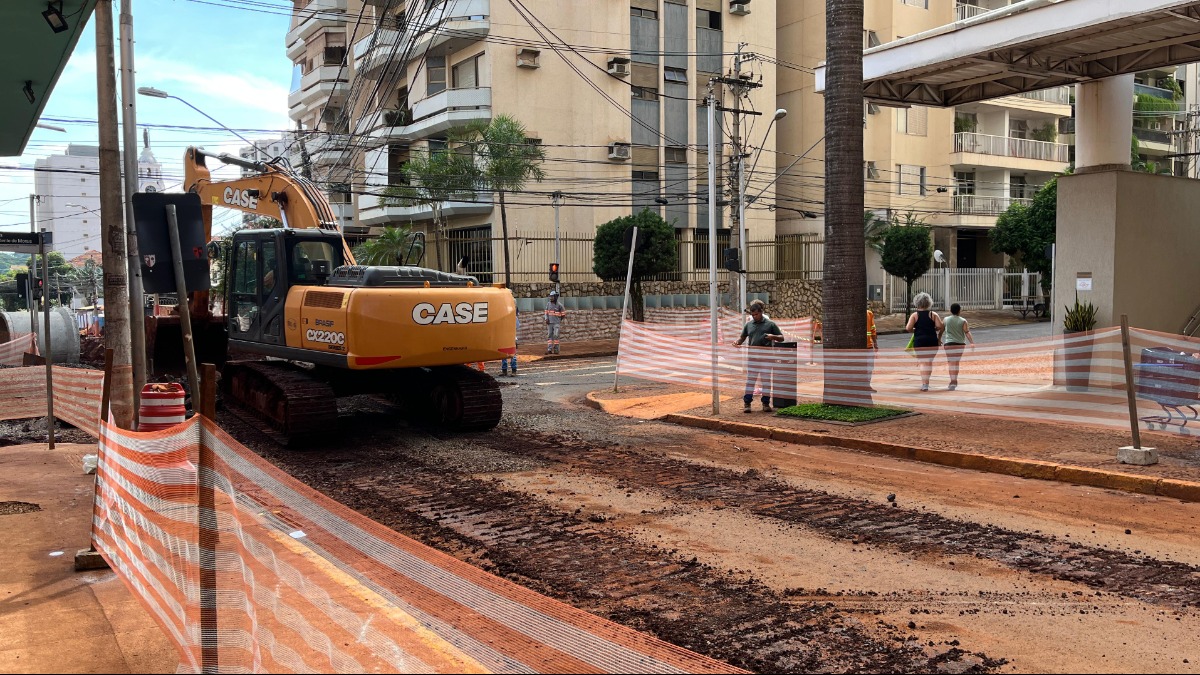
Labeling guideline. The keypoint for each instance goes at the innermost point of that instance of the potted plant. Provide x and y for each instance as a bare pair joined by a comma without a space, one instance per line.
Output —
1073,362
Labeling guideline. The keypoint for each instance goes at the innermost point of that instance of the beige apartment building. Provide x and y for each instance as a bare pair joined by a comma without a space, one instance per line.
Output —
957,169
612,92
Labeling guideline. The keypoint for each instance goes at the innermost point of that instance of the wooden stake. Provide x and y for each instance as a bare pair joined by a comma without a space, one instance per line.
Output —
1131,395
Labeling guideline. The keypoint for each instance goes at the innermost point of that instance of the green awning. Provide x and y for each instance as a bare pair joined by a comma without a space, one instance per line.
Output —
31,51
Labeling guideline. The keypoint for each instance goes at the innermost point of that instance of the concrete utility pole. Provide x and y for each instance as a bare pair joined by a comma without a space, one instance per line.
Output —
557,197
137,312
714,297
113,249
739,87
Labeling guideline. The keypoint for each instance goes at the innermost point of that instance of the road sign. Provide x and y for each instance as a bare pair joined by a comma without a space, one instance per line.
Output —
24,242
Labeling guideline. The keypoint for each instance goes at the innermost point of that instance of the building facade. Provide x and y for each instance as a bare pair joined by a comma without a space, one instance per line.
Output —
68,189
612,93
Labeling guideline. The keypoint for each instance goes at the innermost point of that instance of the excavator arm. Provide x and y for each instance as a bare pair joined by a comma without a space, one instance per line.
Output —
273,191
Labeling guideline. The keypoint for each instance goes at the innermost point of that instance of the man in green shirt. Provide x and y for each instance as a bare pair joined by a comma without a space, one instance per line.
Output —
762,332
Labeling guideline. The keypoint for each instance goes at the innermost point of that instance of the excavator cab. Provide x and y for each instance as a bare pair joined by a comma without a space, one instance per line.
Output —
264,266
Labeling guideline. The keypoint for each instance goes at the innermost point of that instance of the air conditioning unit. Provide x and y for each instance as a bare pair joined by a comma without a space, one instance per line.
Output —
739,8
620,152
528,58
618,66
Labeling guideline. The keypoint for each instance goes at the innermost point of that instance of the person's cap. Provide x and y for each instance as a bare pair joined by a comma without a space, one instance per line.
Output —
553,294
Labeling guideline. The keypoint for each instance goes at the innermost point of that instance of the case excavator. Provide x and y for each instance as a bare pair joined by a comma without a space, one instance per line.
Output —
317,326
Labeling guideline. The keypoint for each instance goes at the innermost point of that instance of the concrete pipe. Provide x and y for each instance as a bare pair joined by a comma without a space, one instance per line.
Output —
64,333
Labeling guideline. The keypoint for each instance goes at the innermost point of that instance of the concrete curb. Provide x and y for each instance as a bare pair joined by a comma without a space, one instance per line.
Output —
1182,490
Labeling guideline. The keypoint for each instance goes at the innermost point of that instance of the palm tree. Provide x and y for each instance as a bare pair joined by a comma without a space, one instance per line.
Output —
845,283
874,229
506,160
395,246
434,178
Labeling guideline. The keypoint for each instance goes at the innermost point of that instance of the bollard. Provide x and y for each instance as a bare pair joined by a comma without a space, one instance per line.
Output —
162,407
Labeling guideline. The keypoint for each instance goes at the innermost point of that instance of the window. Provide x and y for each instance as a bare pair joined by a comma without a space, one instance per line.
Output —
436,74
1018,129
922,4
466,73
645,93
707,19
645,175
964,182
913,121
644,13
910,179
677,155
675,75
870,172
1018,187
871,39
397,156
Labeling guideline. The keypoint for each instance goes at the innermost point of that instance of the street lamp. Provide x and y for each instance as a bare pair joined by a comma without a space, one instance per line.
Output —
779,114
159,93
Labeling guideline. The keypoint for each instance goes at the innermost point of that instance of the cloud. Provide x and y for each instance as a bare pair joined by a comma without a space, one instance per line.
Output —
236,98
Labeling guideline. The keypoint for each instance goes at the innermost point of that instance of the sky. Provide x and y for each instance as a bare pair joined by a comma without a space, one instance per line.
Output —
228,61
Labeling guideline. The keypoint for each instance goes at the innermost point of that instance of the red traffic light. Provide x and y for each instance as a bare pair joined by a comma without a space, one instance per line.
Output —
554,272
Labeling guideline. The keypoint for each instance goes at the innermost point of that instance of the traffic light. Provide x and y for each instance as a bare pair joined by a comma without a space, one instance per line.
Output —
733,261
554,272
38,287
22,279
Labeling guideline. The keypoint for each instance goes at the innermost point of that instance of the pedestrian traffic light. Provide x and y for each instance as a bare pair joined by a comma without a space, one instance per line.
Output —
22,279
554,272
38,286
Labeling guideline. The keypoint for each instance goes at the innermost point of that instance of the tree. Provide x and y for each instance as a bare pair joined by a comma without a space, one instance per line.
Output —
89,279
1026,231
506,160
396,246
907,250
434,178
658,253
845,278
874,229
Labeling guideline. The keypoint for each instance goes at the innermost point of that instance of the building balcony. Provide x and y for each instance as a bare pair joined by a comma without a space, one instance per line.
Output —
1157,92
964,11
372,212
985,205
327,83
428,117
1055,95
981,147
449,26
1152,141
374,53
328,149
316,15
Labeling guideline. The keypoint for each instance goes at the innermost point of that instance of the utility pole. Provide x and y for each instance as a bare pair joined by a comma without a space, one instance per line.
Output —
113,249
137,311
557,197
714,297
33,199
739,86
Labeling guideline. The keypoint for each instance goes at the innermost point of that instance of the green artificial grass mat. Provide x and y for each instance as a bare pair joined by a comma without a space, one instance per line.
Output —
839,413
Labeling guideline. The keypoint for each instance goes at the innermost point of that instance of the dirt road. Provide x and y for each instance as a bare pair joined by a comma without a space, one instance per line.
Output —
779,557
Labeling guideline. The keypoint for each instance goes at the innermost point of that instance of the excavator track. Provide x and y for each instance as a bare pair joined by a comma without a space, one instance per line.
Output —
454,398
289,399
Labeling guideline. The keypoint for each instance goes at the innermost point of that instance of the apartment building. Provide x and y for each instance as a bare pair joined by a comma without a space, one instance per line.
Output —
68,189
612,92
956,169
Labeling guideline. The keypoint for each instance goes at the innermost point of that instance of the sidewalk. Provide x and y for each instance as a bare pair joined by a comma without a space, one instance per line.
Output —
978,318
886,325
1029,449
57,620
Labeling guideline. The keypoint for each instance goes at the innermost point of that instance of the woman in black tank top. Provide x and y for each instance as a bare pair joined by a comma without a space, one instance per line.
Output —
926,327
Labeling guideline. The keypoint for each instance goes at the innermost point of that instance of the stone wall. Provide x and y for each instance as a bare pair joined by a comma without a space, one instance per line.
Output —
791,299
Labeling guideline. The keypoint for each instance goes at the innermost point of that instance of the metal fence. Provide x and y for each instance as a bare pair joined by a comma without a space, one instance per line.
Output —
974,288
530,254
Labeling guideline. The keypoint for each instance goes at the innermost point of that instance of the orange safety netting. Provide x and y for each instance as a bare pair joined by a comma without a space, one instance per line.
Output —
1077,378
302,583
12,352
